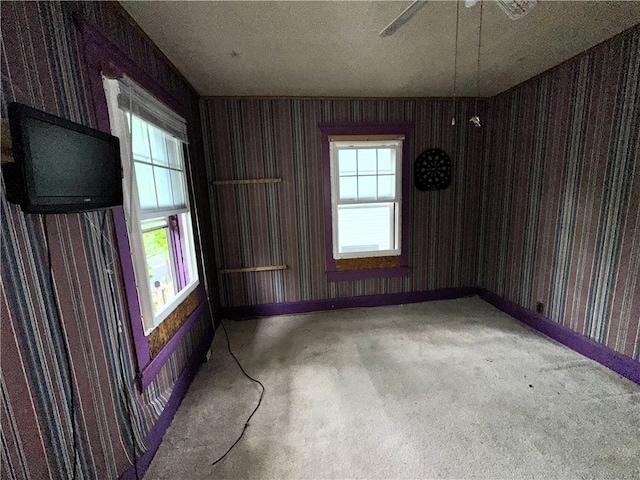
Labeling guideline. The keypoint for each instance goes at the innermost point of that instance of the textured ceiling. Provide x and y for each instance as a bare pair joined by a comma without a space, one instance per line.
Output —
308,48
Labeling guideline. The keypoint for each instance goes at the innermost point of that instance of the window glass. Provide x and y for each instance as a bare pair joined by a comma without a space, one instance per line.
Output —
386,187
348,188
365,227
140,139
385,161
347,162
366,161
163,187
158,146
177,187
146,186
173,155
367,188
158,259
160,186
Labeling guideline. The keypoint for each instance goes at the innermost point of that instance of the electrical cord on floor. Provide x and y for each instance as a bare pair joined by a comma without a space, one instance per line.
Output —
126,398
246,424
72,407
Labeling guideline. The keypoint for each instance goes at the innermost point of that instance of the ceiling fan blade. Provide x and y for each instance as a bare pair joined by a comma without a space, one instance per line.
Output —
403,18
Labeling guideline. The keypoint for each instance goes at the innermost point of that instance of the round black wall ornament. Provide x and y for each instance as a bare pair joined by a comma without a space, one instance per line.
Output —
432,170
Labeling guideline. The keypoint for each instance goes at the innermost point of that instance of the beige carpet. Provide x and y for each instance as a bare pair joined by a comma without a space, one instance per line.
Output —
447,389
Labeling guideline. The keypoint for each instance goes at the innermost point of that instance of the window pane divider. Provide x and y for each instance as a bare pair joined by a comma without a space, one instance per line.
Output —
157,213
157,165
367,202
153,229
266,268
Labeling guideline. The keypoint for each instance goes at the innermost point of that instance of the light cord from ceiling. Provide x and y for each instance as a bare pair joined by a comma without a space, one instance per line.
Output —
476,118
455,65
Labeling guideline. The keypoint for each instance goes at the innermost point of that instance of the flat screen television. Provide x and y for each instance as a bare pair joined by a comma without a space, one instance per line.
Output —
60,166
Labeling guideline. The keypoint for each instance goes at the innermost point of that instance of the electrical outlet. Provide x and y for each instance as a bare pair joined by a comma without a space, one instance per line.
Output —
540,307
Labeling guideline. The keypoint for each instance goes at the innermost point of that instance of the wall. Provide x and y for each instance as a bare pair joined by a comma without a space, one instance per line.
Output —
43,66
561,205
284,223
547,213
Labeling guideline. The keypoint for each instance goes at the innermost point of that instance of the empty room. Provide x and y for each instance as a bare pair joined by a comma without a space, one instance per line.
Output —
320,239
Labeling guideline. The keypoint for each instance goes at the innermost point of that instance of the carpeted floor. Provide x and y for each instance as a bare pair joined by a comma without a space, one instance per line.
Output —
447,389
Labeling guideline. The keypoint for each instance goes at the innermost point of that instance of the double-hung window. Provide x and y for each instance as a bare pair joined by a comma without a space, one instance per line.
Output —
156,201
366,185
367,198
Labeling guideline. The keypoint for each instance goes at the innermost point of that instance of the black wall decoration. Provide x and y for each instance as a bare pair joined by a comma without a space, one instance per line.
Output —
432,170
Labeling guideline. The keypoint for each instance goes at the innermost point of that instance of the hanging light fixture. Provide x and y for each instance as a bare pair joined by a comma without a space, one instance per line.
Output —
455,65
476,118
516,9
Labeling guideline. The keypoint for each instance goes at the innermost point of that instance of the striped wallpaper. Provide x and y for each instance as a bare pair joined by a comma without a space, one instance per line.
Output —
544,206
284,223
42,65
561,203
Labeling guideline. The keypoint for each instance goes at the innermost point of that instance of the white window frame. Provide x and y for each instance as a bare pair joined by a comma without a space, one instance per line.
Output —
344,144
133,213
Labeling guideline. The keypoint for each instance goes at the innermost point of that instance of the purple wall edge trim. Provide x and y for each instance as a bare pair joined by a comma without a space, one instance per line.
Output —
383,299
100,51
621,364
155,435
141,344
153,368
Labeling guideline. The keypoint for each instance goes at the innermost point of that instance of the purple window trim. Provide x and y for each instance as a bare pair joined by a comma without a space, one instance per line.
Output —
181,248
383,128
153,368
177,248
102,56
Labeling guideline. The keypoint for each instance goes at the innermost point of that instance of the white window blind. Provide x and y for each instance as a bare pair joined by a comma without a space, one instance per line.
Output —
157,134
159,170
133,98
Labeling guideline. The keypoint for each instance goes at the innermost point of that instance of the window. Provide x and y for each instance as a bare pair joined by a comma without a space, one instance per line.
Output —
156,203
366,199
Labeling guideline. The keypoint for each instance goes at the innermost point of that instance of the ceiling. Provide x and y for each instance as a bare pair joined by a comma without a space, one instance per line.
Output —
332,49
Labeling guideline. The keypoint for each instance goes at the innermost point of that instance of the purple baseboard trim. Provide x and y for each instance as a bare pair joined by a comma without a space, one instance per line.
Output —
621,364
155,435
248,311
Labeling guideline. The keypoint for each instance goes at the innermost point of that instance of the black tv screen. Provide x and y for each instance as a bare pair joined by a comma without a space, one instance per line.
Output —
60,166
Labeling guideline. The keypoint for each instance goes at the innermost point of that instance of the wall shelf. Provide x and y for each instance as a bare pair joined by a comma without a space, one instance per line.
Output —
246,182
266,268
